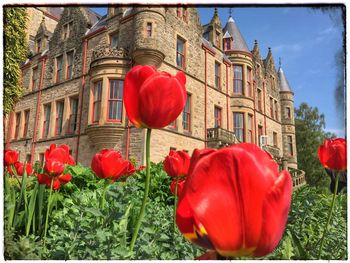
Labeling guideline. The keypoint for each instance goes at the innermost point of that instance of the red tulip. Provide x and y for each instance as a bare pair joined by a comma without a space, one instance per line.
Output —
57,181
59,153
177,163
10,157
153,99
180,186
131,169
20,166
332,154
109,164
54,167
235,201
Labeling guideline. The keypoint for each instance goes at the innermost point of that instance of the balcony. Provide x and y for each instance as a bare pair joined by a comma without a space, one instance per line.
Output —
219,137
273,150
107,55
298,177
105,136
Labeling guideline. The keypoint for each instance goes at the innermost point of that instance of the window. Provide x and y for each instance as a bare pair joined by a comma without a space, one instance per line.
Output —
271,107
206,36
65,32
28,158
290,145
59,68
114,39
69,69
35,79
186,116
70,29
96,106
172,125
41,158
288,113
217,39
276,110
274,139
18,119
249,82
238,125
259,100
184,15
217,75
250,128
217,117
180,53
46,125
272,80
26,121
115,102
178,11
149,30
257,70
237,79
38,45
172,148
73,116
227,43
260,133
59,117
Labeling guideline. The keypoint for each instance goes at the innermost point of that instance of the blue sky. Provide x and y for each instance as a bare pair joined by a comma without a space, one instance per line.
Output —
306,40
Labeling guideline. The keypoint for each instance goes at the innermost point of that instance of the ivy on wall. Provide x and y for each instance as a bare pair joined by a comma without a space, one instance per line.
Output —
15,52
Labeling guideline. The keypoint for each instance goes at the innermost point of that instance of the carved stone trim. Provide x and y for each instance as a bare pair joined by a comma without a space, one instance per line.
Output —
104,136
148,56
107,52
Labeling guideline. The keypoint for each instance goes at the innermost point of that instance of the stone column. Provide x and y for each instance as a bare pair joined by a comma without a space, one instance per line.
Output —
51,132
104,101
66,111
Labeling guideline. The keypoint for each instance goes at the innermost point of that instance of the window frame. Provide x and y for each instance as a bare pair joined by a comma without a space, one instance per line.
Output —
26,123
115,100
288,113
217,117
111,37
250,128
217,75
290,145
71,99
149,29
183,55
271,108
18,122
35,73
59,117
94,102
276,109
237,80
259,93
238,128
260,133
46,121
249,82
274,139
69,67
187,113
59,71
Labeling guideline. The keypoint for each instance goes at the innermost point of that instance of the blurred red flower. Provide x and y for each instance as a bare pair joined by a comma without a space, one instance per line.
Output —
235,201
180,186
10,157
57,181
20,167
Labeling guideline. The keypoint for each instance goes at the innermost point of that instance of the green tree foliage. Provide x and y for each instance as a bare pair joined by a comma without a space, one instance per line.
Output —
309,127
15,51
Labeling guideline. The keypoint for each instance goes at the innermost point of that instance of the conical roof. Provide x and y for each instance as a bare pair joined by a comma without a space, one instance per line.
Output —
283,82
238,42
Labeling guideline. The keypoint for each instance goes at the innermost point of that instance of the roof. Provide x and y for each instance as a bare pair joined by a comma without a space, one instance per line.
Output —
101,23
92,16
283,82
55,11
238,42
207,44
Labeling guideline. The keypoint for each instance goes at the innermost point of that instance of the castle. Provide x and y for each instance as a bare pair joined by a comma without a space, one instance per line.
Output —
73,85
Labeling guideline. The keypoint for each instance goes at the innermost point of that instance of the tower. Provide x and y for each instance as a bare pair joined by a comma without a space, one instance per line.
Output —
287,120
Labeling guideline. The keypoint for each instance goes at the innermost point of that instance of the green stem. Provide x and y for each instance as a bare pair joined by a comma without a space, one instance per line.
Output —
329,213
103,200
175,202
147,183
48,210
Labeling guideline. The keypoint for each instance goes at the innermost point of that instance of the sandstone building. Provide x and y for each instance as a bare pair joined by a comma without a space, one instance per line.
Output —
74,85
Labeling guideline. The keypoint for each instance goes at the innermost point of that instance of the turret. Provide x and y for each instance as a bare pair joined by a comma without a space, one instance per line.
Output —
213,31
149,26
287,120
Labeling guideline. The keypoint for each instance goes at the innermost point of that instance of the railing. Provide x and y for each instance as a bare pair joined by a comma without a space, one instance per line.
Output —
106,51
219,137
298,177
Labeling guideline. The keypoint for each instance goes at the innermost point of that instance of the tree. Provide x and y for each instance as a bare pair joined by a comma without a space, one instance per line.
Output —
310,134
15,51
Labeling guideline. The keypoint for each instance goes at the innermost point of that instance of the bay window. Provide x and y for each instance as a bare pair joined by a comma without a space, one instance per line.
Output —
238,125
115,101
237,79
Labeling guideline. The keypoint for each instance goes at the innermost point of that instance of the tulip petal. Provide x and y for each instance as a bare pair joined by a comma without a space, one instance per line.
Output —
112,165
133,82
162,99
275,214
65,178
